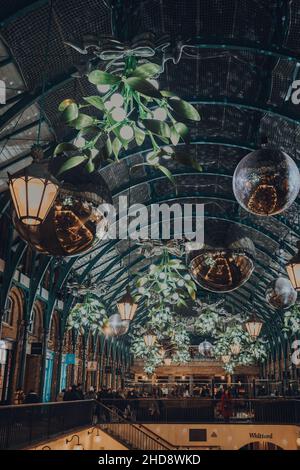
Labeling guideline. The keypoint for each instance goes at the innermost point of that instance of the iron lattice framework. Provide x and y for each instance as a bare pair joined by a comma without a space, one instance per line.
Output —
239,60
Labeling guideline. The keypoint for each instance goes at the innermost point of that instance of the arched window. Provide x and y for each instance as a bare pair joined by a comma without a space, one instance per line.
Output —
8,312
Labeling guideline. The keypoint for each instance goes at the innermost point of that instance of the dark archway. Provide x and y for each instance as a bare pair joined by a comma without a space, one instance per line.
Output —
261,446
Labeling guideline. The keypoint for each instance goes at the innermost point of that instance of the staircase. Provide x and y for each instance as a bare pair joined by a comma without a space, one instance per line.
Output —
131,435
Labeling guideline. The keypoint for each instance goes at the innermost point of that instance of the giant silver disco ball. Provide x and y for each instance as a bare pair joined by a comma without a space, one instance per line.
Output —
115,326
281,294
226,259
266,181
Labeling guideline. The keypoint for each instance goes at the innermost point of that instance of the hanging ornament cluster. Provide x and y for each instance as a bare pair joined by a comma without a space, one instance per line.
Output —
266,181
126,109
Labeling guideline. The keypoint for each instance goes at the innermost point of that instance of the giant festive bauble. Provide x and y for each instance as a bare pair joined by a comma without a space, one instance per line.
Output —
266,181
226,259
115,326
75,223
281,294
205,348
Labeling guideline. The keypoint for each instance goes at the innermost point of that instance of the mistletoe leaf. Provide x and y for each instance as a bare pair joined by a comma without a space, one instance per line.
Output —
167,173
143,86
146,71
65,103
99,77
82,121
184,109
139,136
70,112
187,159
72,163
64,147
90,166
108,146
95,101
159,128
116,147
181,129
174,136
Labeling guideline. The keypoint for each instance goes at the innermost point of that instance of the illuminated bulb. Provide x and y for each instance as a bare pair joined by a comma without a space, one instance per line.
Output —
117,99
108,105
126,132
78,447
160,114
98,439
154,83
103,88
118,114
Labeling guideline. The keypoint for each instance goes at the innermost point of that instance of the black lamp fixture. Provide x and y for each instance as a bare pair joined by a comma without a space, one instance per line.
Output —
127,306
293,269
97,436
77,446
33,190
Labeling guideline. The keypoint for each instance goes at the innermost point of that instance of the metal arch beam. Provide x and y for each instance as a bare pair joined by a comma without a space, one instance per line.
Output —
222,142
29,99
35,280
141,258
20,130
5,21
233,45
248,106
110,245
119,191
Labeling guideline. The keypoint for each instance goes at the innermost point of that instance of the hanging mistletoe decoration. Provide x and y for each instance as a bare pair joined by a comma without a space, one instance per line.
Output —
127,109
89,314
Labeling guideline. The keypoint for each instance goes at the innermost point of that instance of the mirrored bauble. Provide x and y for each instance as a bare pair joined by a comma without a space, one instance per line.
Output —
266,181
74,224
116,326
205,348
226,259
281,294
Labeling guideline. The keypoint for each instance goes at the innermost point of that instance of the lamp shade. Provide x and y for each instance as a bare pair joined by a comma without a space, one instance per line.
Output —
127,307
235,348
293,269
225,358
33,193
254,326
149,340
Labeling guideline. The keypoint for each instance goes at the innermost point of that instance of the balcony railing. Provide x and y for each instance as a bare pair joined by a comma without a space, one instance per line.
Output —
24,425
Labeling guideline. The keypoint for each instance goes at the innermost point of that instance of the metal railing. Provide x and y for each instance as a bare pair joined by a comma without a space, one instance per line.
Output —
205,410
24,425
131,435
